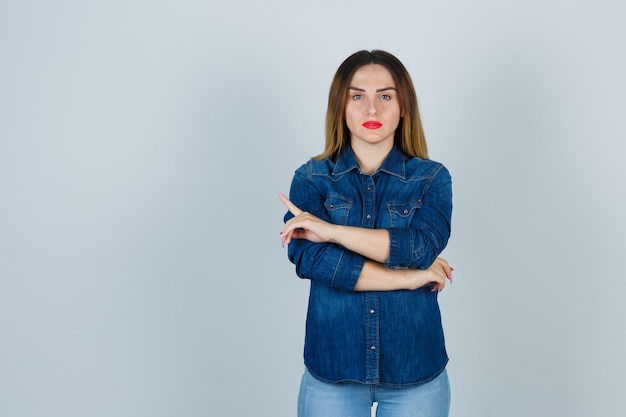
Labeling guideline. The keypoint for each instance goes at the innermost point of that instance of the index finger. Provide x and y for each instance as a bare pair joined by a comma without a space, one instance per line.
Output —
290,206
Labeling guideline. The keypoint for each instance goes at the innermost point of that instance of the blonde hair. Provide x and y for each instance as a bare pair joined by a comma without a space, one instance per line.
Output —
409,135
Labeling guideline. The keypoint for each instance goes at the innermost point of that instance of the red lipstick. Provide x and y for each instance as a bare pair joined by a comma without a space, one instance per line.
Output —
372,124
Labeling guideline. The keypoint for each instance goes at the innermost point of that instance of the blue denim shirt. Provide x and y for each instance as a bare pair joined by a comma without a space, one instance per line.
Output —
393,338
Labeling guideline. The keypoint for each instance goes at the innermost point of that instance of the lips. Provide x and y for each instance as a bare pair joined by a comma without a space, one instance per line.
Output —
372,124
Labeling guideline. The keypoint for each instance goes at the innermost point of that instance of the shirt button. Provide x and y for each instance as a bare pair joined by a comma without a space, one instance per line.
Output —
372,311
369,216
369,188
373,347
406,211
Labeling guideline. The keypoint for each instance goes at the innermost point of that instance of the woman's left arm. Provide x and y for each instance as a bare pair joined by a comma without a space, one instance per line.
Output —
421,242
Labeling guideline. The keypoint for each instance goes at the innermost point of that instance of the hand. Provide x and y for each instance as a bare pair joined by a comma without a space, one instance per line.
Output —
434,276
304,225
441,270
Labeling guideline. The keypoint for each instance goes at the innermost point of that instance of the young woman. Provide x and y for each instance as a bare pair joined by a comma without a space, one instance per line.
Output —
367,221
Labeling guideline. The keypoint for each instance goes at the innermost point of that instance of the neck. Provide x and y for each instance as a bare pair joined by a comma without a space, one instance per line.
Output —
371,157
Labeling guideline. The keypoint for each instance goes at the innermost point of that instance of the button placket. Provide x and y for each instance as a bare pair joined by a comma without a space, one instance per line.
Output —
372,337
369,198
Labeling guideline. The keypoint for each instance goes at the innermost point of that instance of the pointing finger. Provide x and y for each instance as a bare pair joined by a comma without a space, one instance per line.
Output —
290,206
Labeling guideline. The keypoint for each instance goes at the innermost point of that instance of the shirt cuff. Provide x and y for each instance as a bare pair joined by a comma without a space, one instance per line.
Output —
401,245
348,270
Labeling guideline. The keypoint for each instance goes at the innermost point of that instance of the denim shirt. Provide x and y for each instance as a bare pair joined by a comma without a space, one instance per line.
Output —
385,338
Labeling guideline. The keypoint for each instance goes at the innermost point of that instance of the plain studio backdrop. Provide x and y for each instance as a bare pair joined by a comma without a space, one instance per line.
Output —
142,144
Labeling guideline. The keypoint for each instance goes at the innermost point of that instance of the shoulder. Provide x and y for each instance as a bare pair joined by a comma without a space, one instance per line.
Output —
425,167
315,167
419,168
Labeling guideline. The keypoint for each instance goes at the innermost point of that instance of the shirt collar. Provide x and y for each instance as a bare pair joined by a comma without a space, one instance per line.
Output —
393,164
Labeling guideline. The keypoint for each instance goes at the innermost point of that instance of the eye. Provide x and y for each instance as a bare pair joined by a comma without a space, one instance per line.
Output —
357,97
385,97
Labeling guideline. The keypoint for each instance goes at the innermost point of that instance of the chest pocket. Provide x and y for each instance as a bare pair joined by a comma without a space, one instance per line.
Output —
401,214
338,208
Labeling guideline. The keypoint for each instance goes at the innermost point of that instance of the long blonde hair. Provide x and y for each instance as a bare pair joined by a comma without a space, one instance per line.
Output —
409,135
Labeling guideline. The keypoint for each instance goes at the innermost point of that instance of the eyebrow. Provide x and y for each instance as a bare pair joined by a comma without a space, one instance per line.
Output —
378,91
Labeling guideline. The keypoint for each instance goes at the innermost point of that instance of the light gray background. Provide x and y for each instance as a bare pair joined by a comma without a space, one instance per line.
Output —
142,144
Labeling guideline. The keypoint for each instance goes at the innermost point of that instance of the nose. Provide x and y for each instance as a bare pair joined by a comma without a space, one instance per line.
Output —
371,107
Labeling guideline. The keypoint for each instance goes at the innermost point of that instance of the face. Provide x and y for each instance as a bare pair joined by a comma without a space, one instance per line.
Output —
372,109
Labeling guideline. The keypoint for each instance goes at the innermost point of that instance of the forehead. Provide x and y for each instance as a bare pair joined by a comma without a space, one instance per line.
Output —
372,75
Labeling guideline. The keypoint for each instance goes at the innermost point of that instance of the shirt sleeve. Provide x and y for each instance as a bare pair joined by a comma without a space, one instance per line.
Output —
418,245
327,263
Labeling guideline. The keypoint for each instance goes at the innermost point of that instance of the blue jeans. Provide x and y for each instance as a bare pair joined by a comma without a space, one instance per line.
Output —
352,399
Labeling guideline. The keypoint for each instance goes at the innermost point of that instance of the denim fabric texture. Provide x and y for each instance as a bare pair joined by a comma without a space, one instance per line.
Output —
390,339
321,399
